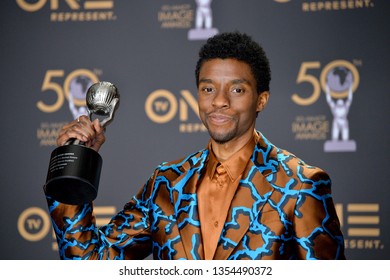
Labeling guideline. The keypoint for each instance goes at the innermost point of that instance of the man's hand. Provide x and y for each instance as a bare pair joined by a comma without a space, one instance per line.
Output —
91,133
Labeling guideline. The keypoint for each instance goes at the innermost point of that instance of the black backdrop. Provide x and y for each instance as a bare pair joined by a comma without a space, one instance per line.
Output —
51,50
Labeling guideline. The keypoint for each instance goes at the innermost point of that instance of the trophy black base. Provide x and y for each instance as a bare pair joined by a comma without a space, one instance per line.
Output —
73,175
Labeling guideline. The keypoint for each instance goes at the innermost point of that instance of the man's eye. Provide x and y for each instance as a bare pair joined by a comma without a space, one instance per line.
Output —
207,89
237,90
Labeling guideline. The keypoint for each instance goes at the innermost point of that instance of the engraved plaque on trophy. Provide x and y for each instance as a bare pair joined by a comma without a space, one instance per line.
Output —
74,169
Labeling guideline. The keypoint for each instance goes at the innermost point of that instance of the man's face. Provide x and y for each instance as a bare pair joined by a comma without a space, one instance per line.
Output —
228,101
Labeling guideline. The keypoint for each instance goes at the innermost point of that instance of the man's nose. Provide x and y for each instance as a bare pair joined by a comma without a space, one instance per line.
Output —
221,99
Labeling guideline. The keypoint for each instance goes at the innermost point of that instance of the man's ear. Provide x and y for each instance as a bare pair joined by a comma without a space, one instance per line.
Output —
262,101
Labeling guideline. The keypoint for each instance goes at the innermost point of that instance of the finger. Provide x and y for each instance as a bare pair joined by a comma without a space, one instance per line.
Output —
96,125
81,129
72,132
100,137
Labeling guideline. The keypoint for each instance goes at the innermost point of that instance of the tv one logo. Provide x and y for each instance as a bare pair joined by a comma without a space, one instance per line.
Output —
72,10
162,106
360,223
34,6
34,223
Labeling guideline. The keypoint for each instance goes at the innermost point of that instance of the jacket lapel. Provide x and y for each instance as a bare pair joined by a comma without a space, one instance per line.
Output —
252,193
186,205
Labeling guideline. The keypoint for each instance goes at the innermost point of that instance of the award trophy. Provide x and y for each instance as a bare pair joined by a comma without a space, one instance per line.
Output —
74,169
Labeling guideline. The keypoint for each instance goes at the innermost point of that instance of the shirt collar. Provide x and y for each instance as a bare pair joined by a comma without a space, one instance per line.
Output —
235,165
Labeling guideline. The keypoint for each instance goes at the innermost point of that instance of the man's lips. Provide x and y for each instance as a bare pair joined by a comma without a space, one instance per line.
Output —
217,118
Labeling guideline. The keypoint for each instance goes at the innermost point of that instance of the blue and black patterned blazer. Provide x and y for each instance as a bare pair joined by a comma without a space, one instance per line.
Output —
282,209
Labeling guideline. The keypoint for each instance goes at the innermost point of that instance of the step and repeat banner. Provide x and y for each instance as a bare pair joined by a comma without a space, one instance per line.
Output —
328,105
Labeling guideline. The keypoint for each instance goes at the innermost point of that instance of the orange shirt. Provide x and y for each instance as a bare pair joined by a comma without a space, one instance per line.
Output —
216,191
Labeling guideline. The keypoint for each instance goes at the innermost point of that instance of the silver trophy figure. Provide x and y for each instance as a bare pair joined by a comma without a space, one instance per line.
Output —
101,100
74,169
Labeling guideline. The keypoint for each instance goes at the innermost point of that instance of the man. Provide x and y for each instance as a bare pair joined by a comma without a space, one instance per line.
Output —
239,198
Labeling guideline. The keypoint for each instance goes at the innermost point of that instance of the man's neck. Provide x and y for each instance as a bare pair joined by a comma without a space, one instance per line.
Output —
226,150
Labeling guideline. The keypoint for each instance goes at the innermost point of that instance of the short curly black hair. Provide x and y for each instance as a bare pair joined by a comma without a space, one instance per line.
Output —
239,46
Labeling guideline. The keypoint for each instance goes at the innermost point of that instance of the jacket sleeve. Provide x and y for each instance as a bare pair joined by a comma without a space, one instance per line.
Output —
317,233
127,236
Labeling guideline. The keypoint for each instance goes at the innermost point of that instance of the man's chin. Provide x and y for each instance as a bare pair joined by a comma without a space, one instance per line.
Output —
221,138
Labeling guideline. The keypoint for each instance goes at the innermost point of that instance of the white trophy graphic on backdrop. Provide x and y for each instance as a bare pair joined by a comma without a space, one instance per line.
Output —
339,80
203,22
77,93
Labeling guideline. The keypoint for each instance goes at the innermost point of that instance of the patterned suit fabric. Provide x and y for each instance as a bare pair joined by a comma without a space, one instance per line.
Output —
282,209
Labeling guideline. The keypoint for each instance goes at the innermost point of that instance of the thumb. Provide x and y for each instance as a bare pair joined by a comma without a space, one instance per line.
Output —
100,138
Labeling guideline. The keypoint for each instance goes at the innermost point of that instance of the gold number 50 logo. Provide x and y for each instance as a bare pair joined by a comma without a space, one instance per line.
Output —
317,84
60,92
